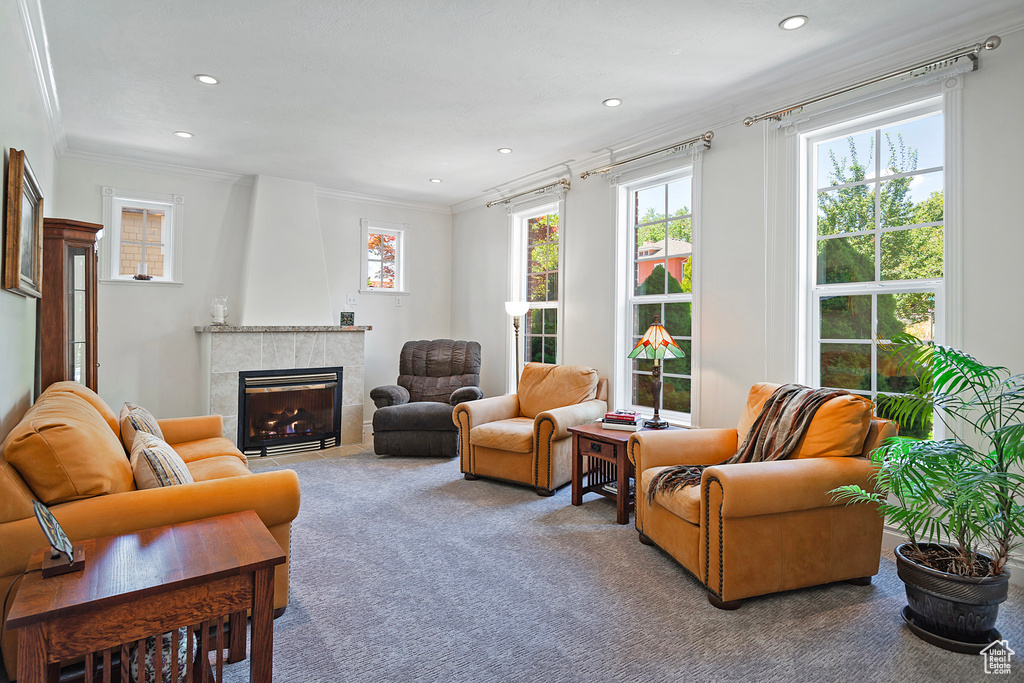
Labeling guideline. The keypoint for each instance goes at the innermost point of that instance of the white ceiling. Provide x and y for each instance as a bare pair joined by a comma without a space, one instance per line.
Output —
379,96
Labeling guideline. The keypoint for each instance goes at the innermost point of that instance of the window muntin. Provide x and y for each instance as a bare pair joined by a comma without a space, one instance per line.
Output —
877,238
661,255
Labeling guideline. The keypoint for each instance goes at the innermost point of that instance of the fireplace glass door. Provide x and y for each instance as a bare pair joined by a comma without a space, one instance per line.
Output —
289,410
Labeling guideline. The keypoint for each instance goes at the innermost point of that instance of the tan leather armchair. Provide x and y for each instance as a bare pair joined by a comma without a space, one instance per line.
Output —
523,438
757,528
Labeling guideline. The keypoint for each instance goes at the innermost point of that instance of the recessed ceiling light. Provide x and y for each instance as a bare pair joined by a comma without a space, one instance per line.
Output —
435,180
792,23
505,150
612,102
184,134
206,79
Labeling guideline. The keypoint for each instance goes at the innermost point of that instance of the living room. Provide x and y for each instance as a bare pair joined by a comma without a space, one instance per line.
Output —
274,212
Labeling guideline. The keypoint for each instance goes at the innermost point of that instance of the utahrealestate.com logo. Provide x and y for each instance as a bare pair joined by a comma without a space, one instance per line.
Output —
997,657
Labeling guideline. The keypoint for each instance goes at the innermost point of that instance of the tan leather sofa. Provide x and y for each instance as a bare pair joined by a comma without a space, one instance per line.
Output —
66,452
756,528
523,438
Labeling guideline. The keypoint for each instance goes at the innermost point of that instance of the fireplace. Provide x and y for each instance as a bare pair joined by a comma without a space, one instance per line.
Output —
285,411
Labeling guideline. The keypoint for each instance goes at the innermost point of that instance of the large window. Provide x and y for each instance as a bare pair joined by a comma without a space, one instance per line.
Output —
384,257
142,236
661,264
536,262
875,230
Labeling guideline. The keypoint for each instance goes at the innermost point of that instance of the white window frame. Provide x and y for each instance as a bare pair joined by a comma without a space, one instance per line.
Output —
860,118
172,205
398,230
519,216
627,184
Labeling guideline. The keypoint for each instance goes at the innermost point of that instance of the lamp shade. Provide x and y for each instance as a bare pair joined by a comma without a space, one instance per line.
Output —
516,308
656,343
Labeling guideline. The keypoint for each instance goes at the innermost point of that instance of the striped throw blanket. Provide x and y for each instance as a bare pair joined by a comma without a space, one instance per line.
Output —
783,421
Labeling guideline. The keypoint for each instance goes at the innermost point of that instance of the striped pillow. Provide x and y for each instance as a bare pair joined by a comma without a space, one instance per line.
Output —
155,464
135,418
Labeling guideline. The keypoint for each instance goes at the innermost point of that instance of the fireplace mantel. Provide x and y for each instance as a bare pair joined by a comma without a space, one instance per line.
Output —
227,349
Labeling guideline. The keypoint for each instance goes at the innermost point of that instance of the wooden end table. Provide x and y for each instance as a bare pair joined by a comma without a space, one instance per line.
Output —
188,575
609,465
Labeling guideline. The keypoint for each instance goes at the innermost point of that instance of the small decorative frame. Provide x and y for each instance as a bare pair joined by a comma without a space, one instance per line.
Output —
23,229
348,318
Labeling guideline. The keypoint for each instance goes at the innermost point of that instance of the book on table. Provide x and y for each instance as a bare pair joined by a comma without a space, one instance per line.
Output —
622,426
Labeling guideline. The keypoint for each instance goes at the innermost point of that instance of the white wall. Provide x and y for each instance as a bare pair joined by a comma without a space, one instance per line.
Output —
148,350
425,312
734,350
22,126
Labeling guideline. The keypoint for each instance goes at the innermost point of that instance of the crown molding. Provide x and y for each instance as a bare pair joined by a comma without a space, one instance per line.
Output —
155,167
384,201
724,115
31,12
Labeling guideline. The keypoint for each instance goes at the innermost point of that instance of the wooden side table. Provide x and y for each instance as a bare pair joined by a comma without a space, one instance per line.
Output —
136,585
609,465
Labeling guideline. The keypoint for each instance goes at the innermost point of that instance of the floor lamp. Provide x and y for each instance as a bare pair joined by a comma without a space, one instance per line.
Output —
656,344
516,309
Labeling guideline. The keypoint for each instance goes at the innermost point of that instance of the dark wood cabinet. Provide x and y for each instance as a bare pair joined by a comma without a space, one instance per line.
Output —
67,309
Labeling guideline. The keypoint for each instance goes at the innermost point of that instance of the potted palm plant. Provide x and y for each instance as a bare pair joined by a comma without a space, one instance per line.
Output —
957,500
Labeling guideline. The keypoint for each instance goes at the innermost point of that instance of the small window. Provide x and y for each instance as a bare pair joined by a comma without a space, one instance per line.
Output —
143,237
384,257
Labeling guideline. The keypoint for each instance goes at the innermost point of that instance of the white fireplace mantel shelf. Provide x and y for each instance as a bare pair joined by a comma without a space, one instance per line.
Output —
283,328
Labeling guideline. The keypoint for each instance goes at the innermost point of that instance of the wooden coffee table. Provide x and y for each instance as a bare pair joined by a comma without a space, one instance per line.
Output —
135,585
609,470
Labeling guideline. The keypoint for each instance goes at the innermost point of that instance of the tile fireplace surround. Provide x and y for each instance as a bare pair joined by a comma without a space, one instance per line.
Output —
225,350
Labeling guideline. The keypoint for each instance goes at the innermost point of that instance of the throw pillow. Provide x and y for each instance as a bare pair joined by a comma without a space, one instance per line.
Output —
135,418
155,463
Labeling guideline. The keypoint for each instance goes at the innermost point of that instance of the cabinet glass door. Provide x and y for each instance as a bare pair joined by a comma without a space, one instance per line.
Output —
76,312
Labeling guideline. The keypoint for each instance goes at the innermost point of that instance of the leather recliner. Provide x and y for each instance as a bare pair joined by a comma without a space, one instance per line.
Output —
414,417
523,438
756,528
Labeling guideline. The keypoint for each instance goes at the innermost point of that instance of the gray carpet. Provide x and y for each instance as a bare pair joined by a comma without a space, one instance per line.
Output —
403,571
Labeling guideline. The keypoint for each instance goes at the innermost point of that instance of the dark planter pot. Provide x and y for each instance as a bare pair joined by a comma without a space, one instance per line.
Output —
958,611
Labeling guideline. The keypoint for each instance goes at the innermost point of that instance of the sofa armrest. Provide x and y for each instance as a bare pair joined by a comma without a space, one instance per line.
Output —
184,429
764,488
389,395
571,416
681,447
463,394
273,495
487,410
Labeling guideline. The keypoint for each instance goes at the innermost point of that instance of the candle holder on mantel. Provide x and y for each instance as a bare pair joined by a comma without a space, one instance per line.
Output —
219,310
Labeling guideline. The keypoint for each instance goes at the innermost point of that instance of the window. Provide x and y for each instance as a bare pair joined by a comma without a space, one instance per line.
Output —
658,257
383,259
875,244
536,262
142,233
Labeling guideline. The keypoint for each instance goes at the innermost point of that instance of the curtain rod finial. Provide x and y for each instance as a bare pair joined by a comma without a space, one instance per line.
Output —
749,121
992,42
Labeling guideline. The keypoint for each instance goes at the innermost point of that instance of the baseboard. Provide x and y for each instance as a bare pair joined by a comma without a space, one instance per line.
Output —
892,538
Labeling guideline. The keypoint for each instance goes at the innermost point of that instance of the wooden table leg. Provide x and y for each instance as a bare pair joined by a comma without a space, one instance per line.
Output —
577,471
236,632
32,664
622,483
261,649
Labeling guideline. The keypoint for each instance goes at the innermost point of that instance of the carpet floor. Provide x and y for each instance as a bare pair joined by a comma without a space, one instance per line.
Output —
403,571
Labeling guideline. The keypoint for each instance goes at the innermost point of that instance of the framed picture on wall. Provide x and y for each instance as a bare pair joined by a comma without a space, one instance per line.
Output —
23,228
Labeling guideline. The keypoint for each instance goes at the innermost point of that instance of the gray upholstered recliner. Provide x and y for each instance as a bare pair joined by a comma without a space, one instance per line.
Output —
414,417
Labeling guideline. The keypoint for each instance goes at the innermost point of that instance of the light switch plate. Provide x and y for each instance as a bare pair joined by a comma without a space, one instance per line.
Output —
351,299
